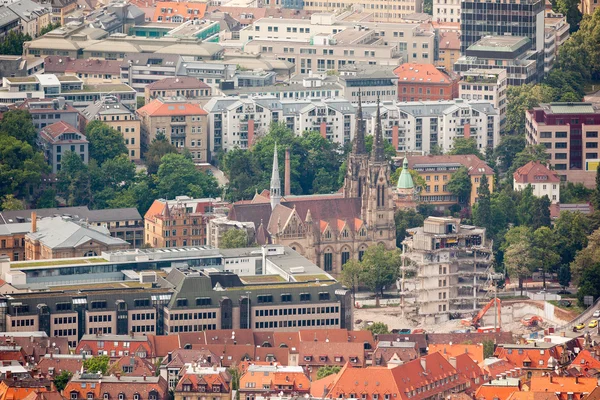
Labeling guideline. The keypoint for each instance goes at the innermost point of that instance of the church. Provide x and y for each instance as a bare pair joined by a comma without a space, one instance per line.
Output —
330,229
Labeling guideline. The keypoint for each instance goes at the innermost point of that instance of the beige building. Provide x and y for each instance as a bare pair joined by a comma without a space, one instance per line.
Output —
449,50
184,124
446,10
33,16
488,85
380,10
189,88
114,114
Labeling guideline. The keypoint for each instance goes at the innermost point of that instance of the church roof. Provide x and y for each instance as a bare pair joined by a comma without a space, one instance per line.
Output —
405,180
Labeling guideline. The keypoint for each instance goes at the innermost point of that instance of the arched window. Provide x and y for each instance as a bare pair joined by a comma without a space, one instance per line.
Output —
90,253
328,260
345,255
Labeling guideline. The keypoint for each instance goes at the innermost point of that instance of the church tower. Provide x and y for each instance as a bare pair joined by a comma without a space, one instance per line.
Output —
379,200
356,173
275,191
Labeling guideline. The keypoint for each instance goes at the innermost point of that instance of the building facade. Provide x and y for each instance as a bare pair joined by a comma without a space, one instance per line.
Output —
424,82
487,85
57,139
569,131
543,181
183,124
191,89
446,11
33,16
45,112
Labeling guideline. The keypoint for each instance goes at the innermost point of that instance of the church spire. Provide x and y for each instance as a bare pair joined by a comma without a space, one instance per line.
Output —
358,147
377,152
275,192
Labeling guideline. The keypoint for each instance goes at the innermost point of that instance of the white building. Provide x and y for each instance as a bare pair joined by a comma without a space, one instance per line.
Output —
542,180
446,11
487,85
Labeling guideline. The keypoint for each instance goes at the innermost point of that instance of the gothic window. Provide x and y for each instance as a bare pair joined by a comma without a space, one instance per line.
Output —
363,232
327,234
345,256
328,261
345,233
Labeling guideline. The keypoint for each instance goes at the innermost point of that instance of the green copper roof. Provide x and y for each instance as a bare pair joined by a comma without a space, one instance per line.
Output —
405,180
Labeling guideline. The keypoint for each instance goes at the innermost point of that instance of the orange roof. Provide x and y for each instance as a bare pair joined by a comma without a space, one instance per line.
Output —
166,10
420,73
489,392
474,165
532,355
449,41
562,384
475,351
535,172
156,108
319,387
533,396
586,360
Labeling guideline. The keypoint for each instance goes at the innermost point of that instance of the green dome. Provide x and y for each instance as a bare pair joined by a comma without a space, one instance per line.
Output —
405,180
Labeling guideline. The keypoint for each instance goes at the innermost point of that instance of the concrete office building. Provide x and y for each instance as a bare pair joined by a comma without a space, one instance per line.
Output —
485,85
450,264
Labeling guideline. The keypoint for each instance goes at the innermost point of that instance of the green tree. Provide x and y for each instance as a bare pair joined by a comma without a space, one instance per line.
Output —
177,175
140,102
234,239
10,203
47,199
13,43
105,142
21,166
526,207
61,380
596,193
564,276
118,172
378,328
328,370
460,185
575,193
97,364
156,151
19,124
586,258
235,377
466,146
49,28
590,283
518,255
529,153
541,216
570,231
351,274
380,269
428,7
482,211
73,180
507,150
545,256
406,219
488,348
520,99
570,9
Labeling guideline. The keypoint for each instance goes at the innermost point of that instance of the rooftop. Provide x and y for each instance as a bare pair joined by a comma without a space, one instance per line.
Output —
499,43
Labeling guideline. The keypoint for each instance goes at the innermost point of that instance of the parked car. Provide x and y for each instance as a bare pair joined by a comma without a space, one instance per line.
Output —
596,314
564,303
563,292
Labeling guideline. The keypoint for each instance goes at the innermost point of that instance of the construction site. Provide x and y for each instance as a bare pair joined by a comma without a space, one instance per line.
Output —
447,282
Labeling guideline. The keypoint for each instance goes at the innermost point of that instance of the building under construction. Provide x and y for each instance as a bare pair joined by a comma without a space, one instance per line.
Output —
445,269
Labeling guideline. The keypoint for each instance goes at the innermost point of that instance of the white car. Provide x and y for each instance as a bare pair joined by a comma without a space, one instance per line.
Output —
596,314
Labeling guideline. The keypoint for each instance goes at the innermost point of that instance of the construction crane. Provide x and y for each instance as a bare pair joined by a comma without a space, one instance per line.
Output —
474,322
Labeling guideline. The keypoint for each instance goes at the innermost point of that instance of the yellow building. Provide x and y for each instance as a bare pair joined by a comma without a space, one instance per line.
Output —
114,114
449,50
437,172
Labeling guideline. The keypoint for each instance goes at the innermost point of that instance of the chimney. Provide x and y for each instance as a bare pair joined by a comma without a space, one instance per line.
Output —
452,361
118,375
132,334
33,222
550,377
423,363
144,376
576,379
169,356
287,183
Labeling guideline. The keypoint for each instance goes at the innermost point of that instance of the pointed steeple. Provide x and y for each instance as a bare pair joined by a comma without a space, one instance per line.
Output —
405,180
358,147
377,151
308,216
275,194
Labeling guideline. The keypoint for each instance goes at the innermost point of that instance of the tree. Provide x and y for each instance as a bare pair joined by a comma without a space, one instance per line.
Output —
526,207
518,257
97,364
544,253
507,150
482,212
488,348
61,380
564,276
576,193
596,193
522,98
351,274
234,371
234,239
47,199
570,9
19,124
406,219
10,203
13,43
590,283
586,258
529,153
465,146
328,370
73,180
177,175
378,328
49,28
428,7
541,216
460,185
156,151
118,172
21,166
380,269
105,142
140,102
570,232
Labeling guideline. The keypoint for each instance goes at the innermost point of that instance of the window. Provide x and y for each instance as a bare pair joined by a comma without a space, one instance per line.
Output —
345,257
182,302
286,298
203,301
328,261
304,296
266,298
323,296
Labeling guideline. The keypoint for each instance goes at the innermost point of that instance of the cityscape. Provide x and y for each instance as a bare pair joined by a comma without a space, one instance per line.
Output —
298,199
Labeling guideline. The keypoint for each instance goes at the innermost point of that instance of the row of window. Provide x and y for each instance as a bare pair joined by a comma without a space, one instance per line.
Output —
65,320
192,316
100,318
192,328
65,332
297,323
142,316
296,311
107,330
22,322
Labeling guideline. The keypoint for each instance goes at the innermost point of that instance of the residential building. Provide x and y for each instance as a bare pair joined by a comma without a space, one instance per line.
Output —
523,18
543,181
301,87
424,82
21,388
171,11
140,70
380,11
19,66
9,21
470,370
264,380
52,238
511,53
90,71
373,83
179,222
535,359
500,388
487,85
60,9
133,365
201,380
449,264
449,50
329,230
115,114
188,299
401,382
219,225
184,124
446,11
454,350
191,89
565,387
213,73
589,7
33,16
390,353
314,354
557,24
58,138
46,112
437,172
12,241
54,364
569,131
122,223
95,386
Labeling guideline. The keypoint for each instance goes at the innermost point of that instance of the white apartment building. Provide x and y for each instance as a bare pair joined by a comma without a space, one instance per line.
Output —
380,10
446,11
236,121
487,85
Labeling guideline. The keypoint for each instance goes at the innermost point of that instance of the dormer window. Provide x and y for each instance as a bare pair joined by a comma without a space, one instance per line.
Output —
307,358
353,359
216,389
136,396
105,396
323,358
338,359
187,387
202,388
121,396
327,234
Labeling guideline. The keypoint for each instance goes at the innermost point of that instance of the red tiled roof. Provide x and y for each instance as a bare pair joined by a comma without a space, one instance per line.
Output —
221,379
489,392
471,162
61,65
475,351
421,73
59,364
330,351
535,172
163,344
533,396
58,128
249,14
450,41
562,384
178,9
180,82
585,360
318,388
139,366
469,369
44,396
156,108
533,356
